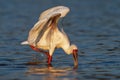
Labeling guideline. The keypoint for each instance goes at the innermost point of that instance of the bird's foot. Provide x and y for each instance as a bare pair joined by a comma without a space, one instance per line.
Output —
75,67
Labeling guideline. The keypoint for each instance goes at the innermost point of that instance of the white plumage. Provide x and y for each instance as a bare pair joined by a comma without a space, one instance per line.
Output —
46,35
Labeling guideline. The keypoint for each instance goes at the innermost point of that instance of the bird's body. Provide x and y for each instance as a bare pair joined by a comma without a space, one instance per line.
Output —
46,35
57,40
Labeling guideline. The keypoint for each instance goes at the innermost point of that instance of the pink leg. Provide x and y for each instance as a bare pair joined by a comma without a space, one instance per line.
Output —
49,59
47,54
37,50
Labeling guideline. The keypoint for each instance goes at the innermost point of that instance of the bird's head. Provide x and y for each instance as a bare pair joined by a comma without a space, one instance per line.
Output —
74,52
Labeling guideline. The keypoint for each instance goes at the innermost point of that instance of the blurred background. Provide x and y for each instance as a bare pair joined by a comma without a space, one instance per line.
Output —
93,25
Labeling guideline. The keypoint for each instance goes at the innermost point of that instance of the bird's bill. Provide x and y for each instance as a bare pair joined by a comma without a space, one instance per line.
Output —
75,57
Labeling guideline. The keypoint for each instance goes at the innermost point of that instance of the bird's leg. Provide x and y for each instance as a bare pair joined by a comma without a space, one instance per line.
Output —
49,58
38,50
35,49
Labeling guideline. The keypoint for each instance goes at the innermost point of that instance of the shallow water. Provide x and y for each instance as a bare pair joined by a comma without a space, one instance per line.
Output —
93,25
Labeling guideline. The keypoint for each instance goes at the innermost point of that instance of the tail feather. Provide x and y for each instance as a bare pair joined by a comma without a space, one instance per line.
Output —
24,43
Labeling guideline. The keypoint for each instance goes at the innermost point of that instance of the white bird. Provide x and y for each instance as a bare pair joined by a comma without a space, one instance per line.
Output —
45,35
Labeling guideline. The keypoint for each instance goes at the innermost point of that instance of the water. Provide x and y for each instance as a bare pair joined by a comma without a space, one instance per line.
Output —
93,25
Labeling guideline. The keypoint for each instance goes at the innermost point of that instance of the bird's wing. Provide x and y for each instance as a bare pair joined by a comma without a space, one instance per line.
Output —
34,32
41,26
58,9
47,18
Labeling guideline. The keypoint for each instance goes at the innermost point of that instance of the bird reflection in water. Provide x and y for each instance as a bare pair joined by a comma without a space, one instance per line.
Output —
52,73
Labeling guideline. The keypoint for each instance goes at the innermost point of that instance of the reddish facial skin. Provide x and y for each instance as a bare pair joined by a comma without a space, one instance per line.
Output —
75,57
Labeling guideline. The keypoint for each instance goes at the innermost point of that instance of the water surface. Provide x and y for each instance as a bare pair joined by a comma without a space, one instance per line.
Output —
93,25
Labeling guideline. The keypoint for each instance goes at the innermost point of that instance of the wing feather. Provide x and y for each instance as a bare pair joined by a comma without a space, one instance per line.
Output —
34,32
41,26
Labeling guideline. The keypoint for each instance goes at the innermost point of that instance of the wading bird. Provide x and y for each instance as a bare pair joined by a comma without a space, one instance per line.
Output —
45,35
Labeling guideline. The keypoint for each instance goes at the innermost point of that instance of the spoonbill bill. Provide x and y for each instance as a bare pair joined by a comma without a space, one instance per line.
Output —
45,36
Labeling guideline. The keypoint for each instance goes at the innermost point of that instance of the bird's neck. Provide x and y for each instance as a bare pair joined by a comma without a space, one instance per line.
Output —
68,49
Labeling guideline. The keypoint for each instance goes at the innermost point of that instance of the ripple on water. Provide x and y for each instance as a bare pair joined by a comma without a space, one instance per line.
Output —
94,28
